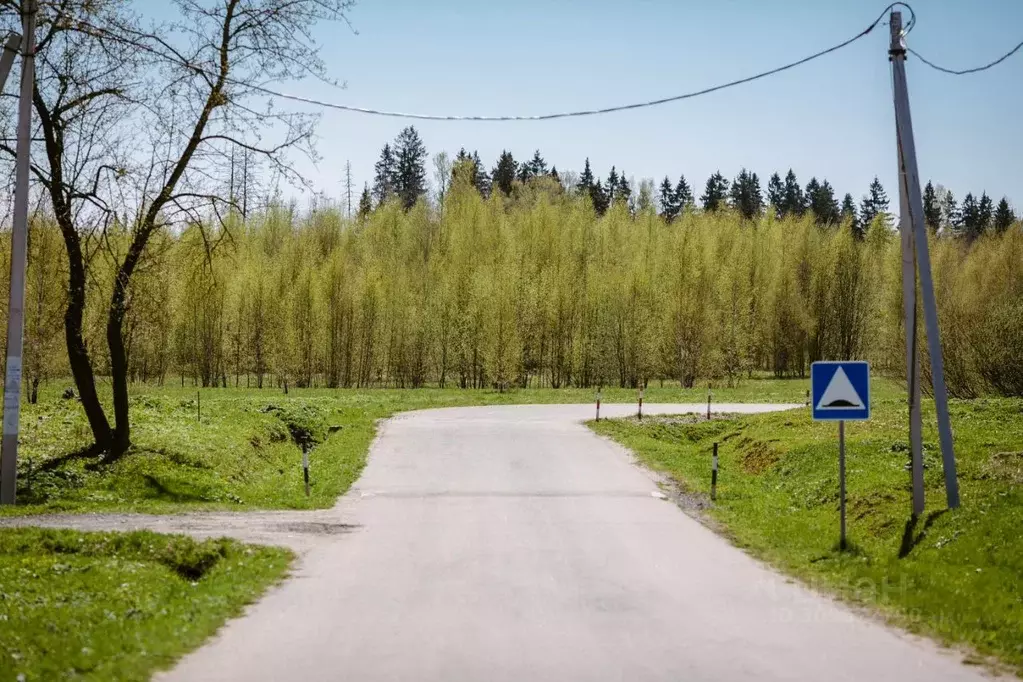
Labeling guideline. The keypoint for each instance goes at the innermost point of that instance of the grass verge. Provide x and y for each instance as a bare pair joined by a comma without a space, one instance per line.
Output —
241,448
118,607
955,575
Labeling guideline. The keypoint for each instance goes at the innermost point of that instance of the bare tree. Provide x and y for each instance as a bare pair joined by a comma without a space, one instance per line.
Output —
138,122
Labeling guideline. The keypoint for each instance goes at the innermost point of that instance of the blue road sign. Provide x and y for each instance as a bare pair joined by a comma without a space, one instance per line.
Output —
840,391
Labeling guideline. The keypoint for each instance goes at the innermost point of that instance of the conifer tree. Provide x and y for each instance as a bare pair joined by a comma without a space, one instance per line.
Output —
745,194
849,214
585,185
985,211
683,194
776,194
874,204
537,166
950,213
385,175
715,192
932,210
481,180
365,203
504,172
792,201
410,167
970,224
669,205
599,196
1004,217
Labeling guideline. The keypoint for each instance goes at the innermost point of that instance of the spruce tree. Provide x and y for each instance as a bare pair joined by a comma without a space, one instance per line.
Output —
776,193
873,205
481,179
715,192
537,166
683,194
669,205
821,201
932,211
624,191
792,201
385,173
503,174
365,203
1004,217
985,210
410,166
950,212
612,186
810,196
969,224
745,194
525,173
554,174
585,185
849,214
600,198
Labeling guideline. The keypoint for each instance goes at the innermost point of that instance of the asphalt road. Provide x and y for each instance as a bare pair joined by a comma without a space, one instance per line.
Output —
511,543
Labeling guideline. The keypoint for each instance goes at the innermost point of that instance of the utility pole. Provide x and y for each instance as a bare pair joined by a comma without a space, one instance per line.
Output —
19,255
916,262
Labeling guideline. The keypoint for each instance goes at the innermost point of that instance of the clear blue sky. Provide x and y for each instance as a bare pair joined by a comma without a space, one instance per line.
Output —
832,118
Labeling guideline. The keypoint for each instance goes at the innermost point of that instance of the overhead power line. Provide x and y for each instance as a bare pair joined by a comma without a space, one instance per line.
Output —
585,112
963,72
605,110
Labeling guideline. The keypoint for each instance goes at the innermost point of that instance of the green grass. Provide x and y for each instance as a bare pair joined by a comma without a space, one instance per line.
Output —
118,607
956,575
241,455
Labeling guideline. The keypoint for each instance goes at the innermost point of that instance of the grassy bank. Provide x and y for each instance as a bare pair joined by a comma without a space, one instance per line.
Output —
118,607
240,448
956,575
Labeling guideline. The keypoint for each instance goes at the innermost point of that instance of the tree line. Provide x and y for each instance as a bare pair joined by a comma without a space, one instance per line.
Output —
530,289
401,172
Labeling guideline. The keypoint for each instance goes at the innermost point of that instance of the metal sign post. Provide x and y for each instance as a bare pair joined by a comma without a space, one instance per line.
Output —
840,392
19,256
841,484
916,254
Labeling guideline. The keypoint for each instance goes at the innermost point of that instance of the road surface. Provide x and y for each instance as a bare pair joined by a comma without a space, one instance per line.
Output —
511,543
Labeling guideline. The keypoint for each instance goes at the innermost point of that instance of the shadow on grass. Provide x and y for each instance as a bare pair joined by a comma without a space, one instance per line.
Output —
87,452
909,541
157,489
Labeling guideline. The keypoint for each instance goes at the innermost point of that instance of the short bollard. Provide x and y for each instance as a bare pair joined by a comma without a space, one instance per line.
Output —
714,475
708,403
598,405
640,413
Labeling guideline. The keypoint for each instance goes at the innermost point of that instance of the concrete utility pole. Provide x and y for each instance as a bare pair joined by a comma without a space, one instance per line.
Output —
916,262
19,255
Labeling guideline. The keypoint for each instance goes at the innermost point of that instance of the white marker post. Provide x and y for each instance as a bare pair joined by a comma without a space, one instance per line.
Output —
598,404
640,413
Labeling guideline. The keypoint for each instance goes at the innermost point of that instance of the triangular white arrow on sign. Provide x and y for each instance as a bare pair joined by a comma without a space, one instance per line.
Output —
840,394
